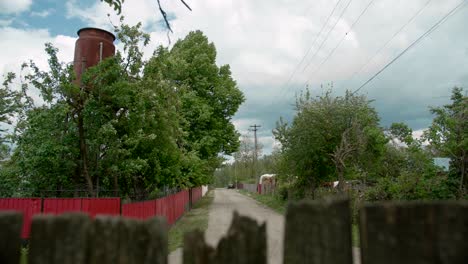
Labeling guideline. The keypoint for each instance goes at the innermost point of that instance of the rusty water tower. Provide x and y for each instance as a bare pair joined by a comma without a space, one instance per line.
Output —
92,46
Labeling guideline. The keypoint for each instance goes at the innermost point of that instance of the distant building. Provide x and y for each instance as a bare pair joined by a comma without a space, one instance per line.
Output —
444,163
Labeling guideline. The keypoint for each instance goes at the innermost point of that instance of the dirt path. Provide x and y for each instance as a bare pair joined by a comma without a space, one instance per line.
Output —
224,204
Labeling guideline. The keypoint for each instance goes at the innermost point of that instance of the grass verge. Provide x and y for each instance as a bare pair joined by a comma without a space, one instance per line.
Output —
197,218
269,200
280,206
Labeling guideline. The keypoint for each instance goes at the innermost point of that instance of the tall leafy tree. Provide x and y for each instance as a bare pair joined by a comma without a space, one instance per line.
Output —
328,137
448,136
9,105
209,95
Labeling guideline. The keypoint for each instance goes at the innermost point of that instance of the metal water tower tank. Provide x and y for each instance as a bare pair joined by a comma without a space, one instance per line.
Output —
92,46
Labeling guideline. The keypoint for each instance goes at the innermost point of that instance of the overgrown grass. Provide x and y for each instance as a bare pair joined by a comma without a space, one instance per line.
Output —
197,218
269,200
355,235
280,206
24,255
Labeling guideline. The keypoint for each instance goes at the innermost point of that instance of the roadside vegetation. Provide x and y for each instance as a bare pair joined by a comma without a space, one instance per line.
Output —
197,218
272,201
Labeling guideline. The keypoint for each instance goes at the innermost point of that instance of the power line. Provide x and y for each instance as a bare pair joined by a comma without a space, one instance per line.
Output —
328,34
344,36
429,31
311,46
390,40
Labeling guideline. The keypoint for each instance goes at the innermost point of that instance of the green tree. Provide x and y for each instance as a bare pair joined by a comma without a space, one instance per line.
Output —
448,136
9,105
209,95
329,138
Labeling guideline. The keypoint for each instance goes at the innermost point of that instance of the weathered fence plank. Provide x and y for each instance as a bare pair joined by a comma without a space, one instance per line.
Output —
196,251
156,247
414,232
10,233
104,240
75,238
318,232
245,243
59,239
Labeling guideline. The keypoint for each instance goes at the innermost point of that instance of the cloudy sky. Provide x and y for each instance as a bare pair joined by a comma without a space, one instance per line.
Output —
275,49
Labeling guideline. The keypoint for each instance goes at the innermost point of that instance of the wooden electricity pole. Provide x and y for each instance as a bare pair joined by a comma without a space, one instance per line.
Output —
255,157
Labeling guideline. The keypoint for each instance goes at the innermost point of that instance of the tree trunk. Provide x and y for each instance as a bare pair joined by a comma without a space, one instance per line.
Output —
340,171
116,185
463,168
84,154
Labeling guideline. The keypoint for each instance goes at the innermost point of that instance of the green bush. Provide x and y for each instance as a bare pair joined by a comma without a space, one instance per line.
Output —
411,186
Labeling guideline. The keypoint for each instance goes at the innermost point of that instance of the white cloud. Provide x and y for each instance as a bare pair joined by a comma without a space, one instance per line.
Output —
18,46
14,6
43,13
5,22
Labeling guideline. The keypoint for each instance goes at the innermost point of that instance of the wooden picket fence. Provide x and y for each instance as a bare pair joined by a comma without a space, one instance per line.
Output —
315,232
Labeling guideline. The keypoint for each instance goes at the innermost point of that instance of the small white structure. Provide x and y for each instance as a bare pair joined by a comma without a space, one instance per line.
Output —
266,176
267,184
204,189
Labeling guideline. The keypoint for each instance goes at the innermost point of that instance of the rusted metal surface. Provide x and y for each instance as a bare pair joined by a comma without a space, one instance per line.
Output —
92,46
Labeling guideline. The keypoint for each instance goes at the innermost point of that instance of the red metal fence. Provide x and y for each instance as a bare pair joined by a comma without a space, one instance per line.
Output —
100,206
196,194
139,210
172,207
61,205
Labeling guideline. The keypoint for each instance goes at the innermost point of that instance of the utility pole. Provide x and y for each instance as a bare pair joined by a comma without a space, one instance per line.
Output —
255,129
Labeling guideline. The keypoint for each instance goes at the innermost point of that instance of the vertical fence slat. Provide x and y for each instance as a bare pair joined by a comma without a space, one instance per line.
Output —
157,246
10,232
104,241
416,232
59,239
245,243
196,250
318,232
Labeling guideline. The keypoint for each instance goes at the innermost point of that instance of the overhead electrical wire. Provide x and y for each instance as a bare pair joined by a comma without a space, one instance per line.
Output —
310,46
390,40
328,34
344,36
429,31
